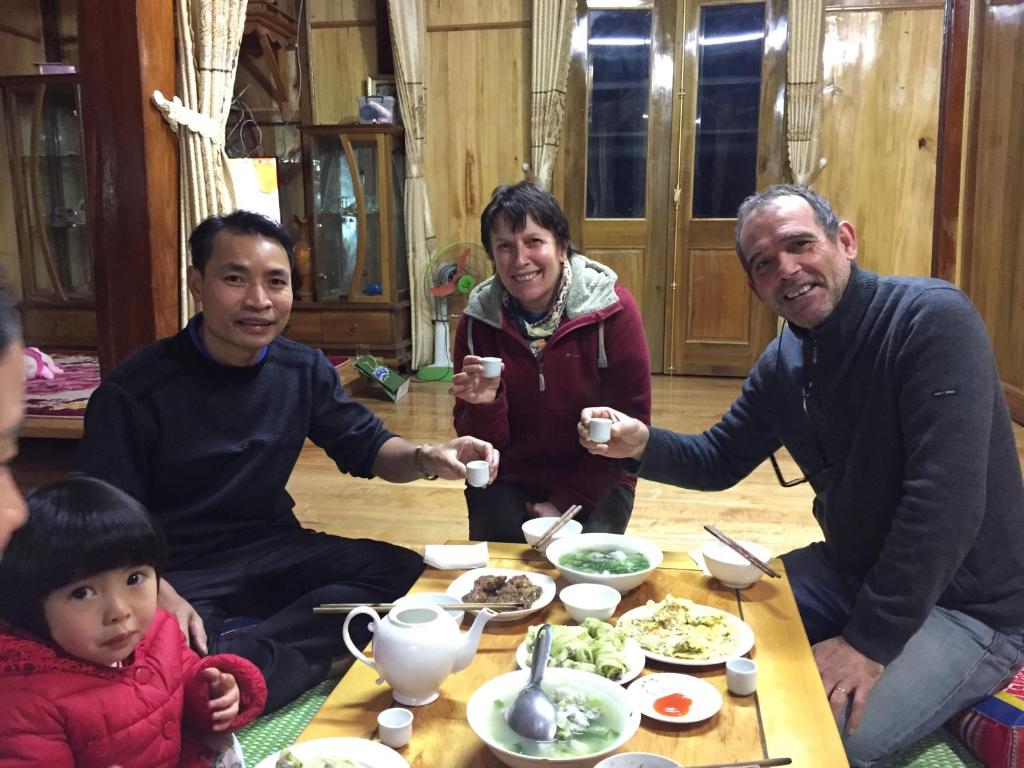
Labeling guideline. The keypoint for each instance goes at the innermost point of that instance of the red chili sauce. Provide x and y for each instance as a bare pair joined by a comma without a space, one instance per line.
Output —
673,705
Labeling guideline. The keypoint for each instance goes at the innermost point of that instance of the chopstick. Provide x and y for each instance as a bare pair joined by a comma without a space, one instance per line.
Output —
568,515
754,560
347,607
749,763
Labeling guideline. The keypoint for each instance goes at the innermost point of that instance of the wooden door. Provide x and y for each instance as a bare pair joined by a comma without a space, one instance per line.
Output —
618,123
727,142
637,147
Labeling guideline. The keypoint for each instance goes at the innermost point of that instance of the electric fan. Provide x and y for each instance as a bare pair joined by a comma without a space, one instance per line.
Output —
451,274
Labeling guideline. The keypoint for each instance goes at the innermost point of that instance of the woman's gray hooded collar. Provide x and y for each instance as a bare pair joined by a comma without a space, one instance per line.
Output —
592,288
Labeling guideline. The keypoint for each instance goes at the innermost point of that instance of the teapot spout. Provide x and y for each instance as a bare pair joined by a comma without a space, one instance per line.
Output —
471,641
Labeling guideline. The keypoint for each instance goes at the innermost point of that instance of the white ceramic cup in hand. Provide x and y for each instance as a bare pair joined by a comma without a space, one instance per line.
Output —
395,727
492,367
477,473
600,430
741,676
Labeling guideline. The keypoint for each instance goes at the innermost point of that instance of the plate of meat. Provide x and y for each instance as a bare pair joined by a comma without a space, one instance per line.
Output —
504,585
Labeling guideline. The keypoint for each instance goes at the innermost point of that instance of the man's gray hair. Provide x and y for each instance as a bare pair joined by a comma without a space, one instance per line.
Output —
822,208
10,328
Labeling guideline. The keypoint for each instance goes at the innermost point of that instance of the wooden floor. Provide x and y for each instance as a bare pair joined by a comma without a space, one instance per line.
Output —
426,512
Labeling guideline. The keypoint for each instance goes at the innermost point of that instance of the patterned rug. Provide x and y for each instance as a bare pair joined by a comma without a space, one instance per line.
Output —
67,394
940,749
268,734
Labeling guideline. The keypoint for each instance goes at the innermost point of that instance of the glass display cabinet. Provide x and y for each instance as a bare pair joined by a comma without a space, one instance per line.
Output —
48,171
358,297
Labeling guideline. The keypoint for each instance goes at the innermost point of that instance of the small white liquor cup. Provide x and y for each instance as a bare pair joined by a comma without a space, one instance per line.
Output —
477,473
600,430
395,727
741,676
492,367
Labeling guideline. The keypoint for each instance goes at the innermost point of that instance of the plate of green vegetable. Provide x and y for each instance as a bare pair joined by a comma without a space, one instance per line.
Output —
594,646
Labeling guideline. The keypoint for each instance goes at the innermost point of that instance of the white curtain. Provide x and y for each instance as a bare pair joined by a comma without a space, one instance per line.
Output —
209,38
803,88
408,34
553,22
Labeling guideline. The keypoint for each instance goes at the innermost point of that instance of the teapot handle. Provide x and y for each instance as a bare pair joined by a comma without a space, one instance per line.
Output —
375,620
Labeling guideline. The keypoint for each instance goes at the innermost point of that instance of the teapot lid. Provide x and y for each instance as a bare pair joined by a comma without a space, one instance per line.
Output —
415,614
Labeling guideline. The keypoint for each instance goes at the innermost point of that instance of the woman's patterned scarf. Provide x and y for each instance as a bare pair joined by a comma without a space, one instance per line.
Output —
537,333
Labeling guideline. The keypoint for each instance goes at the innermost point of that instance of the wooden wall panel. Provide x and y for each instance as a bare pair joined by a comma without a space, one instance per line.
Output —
478,123
447,13
882,71
342,53
994,229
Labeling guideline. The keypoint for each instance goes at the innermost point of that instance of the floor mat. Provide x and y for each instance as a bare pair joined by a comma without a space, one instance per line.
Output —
267,734
940,749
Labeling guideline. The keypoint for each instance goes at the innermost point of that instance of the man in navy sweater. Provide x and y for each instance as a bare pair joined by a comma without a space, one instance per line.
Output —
205,428
885,392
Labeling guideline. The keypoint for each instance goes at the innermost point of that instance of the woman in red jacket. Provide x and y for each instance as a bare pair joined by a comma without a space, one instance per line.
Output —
91,672
567,336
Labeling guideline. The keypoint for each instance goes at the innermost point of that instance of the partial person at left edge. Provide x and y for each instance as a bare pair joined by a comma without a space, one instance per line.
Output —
205,428
12,410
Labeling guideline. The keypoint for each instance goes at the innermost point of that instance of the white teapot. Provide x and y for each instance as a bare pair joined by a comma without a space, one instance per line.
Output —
415,647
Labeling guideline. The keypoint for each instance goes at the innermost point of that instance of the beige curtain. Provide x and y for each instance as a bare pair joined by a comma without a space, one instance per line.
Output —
209,37
408,34
803,88
553,22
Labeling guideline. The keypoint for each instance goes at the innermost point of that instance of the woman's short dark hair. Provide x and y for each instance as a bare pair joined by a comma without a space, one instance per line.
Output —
10,328
514,202
200,242
76,528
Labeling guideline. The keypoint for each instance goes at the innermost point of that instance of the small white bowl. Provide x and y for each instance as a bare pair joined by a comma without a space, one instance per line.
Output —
623,582
638,760
506,687
730,567
536,527
434,598
584,601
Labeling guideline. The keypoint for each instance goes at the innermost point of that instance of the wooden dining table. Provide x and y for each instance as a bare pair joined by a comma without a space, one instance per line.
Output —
788,716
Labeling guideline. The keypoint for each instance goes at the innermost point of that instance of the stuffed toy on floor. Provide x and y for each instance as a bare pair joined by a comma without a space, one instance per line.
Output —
39,365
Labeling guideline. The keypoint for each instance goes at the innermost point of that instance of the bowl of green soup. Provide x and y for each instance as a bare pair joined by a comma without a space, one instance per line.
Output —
595,717
613,559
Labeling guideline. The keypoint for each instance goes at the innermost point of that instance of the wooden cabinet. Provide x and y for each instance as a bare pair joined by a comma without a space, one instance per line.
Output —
44,133
355,296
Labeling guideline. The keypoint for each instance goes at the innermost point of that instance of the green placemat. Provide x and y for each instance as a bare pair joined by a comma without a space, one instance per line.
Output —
940,749
267,734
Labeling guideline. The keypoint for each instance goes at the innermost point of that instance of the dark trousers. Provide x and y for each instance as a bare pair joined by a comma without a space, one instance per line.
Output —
279,580
497,512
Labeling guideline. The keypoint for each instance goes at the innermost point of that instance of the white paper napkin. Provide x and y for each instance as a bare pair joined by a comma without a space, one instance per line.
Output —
698,558
450,557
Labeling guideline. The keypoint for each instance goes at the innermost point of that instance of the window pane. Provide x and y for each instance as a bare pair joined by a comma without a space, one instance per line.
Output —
730,51
619,51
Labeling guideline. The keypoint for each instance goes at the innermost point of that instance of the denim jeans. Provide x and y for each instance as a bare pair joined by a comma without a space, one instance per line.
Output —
949,664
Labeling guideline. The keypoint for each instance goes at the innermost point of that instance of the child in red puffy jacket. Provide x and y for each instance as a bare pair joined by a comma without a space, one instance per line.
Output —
92,673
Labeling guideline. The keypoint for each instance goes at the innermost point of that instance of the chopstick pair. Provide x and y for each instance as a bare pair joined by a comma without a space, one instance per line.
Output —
568,515
766,763
348,607
754,560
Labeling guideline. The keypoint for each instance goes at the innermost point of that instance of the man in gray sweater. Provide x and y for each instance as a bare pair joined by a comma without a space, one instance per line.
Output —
885,392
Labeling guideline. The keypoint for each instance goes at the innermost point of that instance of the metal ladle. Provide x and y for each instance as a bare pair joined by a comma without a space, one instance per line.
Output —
533,715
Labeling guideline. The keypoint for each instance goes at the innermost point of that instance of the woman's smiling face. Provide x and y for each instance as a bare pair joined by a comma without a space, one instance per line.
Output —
528,262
